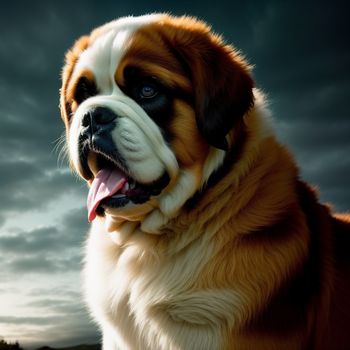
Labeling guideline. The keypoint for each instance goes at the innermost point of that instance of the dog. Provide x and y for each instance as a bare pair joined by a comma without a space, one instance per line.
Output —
203,235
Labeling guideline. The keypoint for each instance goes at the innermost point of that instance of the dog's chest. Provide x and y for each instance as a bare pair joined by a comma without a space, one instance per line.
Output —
151,301
127,290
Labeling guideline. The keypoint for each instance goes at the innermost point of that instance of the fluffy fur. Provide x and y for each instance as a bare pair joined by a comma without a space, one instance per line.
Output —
235,252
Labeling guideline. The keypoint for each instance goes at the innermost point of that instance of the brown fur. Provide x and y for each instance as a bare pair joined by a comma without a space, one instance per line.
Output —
71,59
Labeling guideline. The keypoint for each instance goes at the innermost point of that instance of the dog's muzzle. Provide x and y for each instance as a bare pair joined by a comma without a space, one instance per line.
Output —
101,162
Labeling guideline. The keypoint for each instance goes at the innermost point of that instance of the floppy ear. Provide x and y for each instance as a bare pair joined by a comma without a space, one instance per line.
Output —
70,60
223,87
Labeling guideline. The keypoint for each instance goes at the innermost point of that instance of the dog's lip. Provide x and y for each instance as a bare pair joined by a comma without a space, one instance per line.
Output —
92,163
96,161
132,194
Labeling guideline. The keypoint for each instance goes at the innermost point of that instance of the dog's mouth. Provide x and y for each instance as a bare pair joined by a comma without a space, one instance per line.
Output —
113,187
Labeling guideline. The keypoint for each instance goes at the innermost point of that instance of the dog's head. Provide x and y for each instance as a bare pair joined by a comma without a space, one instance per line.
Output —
151,105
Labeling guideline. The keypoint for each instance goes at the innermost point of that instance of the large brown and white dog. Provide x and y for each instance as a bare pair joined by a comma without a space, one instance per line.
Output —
202,236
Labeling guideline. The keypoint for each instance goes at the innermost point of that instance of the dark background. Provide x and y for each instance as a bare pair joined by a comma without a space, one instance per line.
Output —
301,54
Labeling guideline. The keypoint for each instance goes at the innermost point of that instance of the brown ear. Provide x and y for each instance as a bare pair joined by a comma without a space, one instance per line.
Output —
223,87
71,58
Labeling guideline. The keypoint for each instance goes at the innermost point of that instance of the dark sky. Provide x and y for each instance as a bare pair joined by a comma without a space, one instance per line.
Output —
301,54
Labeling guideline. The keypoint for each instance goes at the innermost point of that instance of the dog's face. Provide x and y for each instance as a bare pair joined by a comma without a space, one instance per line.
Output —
151,105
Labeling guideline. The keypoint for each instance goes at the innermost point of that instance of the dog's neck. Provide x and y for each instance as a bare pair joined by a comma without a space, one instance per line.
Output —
228,202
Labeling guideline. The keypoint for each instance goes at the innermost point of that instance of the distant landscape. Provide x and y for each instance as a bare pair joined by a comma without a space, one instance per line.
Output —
16,346
78,347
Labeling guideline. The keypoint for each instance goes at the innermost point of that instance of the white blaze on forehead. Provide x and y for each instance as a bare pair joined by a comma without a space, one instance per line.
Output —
103,56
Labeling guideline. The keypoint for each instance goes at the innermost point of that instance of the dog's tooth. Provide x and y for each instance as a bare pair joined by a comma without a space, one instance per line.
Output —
92,162
119,195
125,188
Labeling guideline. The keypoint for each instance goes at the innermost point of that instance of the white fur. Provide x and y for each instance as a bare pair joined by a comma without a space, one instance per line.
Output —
106,51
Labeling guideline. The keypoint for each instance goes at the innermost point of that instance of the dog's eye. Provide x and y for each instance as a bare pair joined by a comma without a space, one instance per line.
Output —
148,91
85,89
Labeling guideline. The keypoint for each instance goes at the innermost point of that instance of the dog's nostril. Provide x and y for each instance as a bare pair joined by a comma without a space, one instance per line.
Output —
102,115
98,116
86,120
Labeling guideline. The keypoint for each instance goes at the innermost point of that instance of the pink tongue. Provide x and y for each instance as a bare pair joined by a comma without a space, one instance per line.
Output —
107,182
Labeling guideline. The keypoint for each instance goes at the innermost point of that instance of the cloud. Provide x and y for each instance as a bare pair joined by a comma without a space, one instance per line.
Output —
44,264
321,150
45,292
69,235
302,68
316,137
33,242
25,186
75,222
46,250
58,306
30,122
293,44
34,320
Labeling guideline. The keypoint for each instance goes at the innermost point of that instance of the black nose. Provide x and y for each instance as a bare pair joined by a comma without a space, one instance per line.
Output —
97,121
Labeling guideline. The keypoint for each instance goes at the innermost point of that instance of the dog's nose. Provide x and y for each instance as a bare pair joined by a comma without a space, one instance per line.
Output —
98,116
97,121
